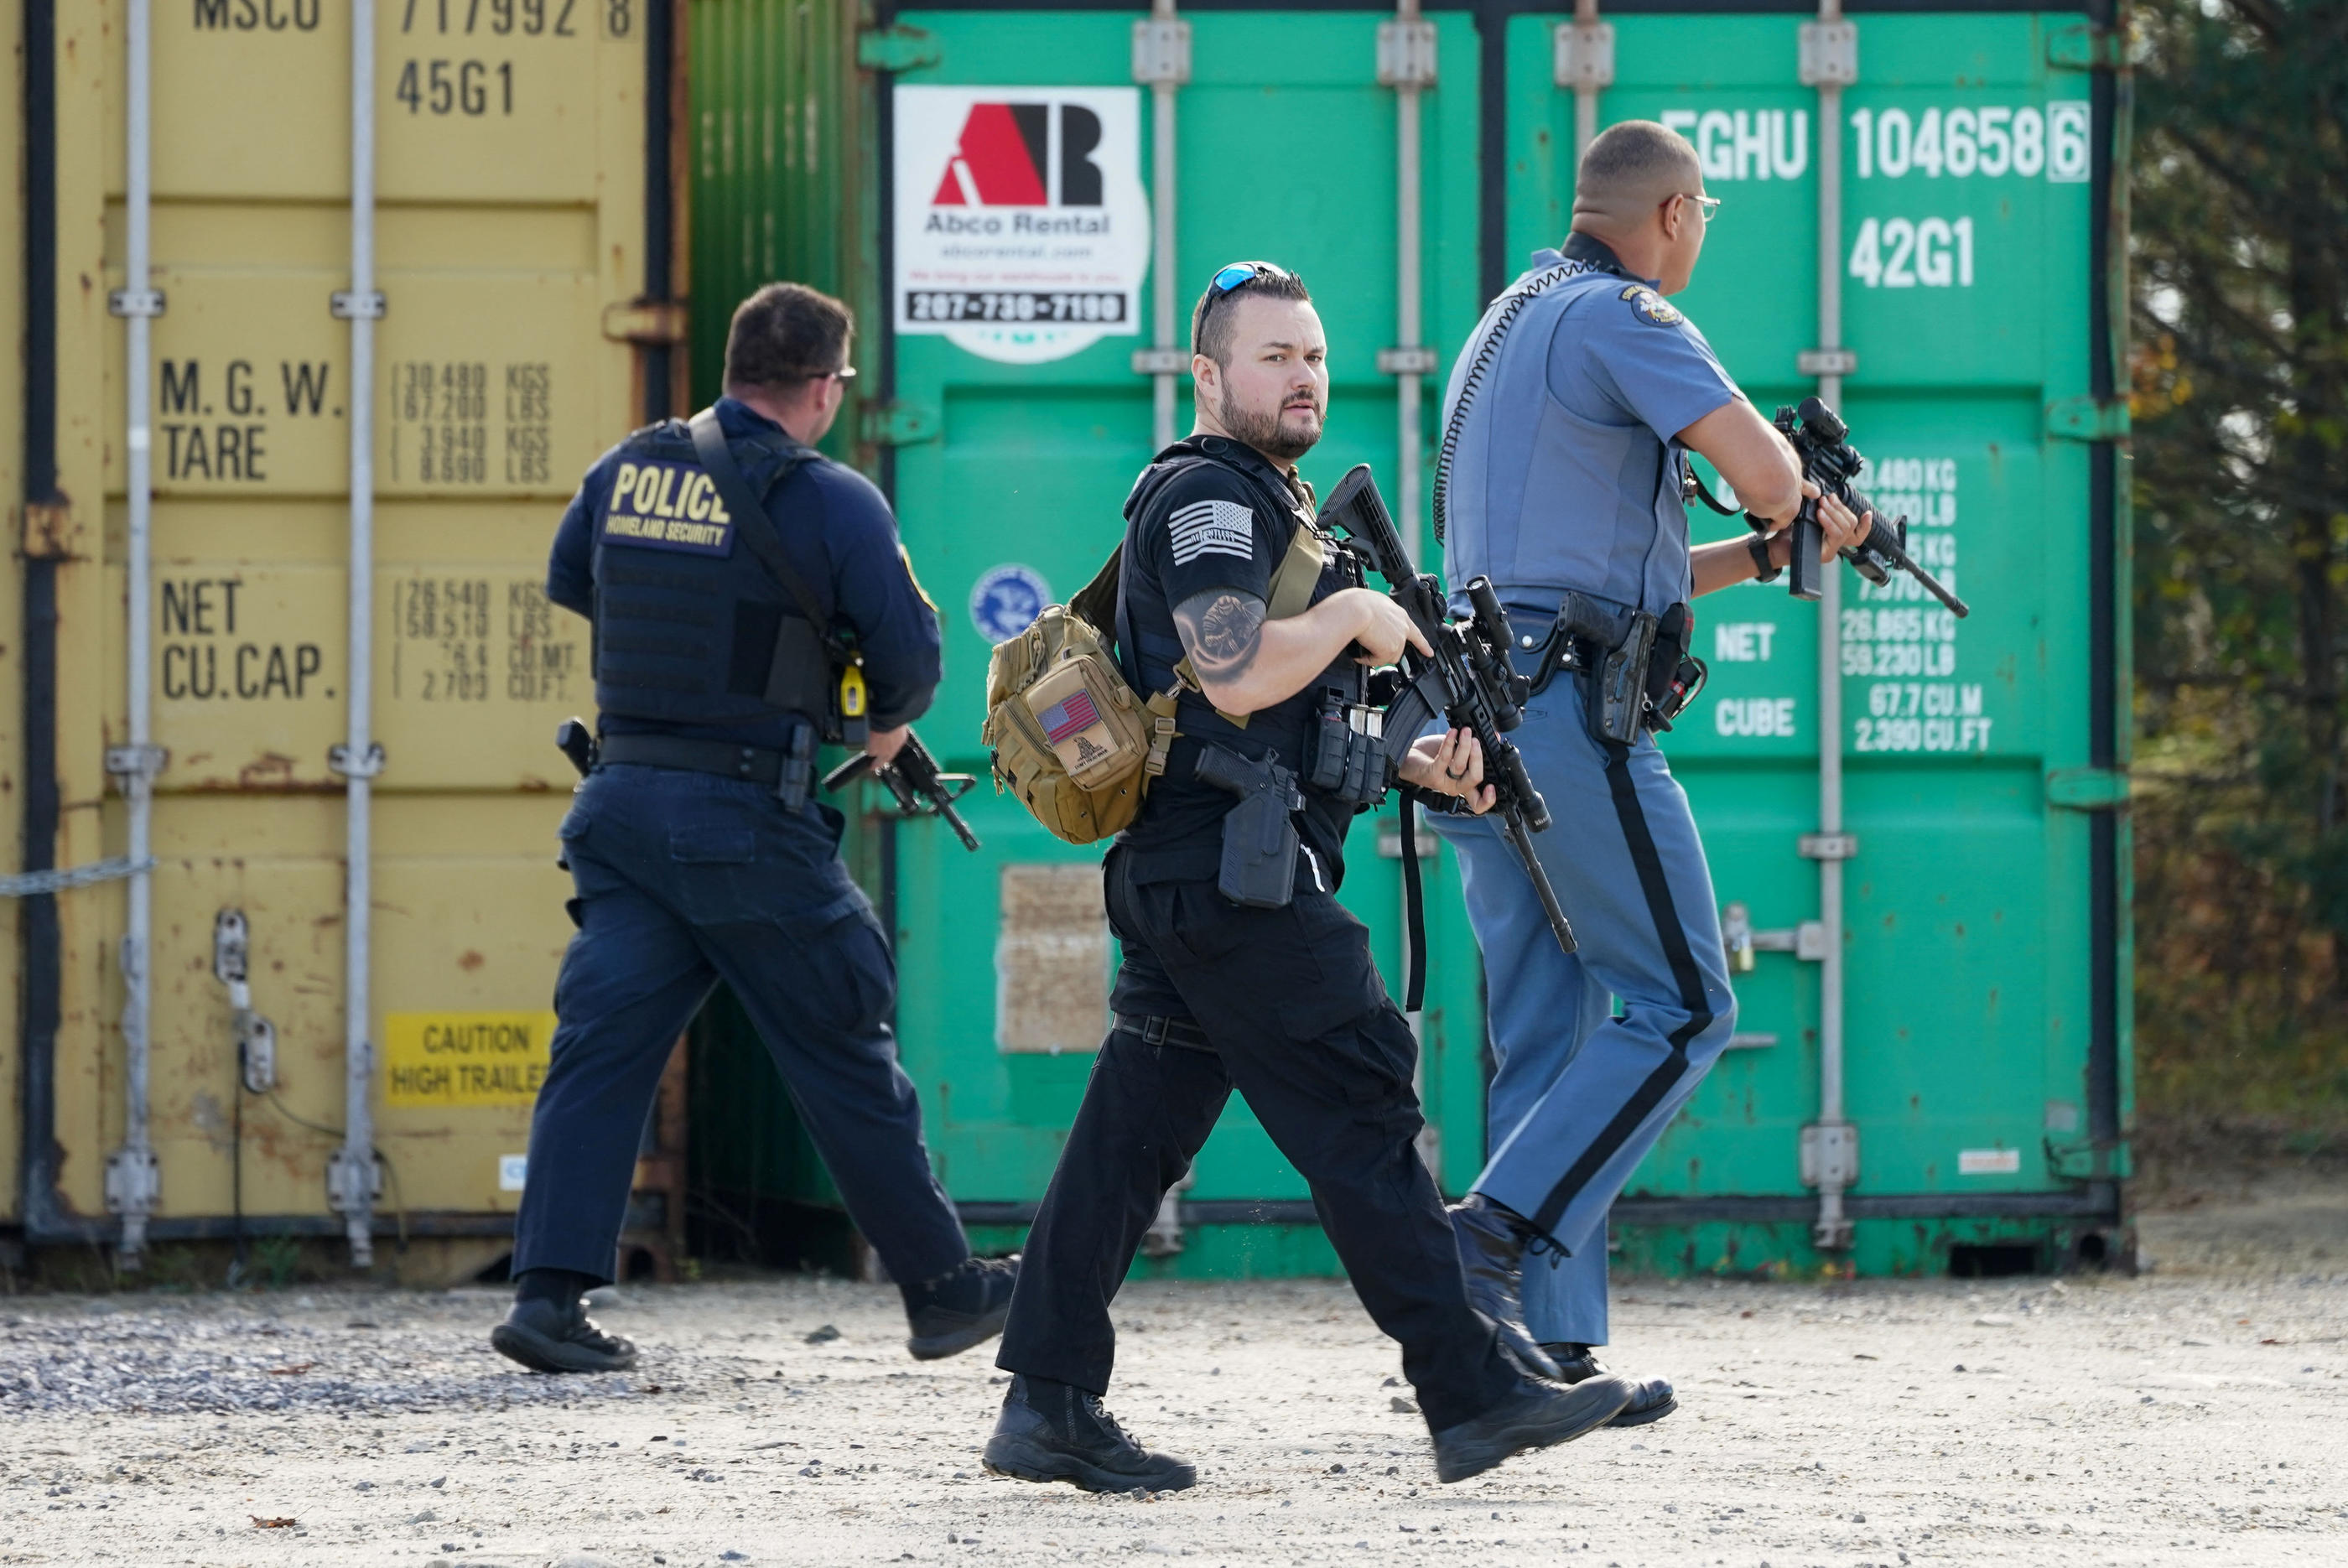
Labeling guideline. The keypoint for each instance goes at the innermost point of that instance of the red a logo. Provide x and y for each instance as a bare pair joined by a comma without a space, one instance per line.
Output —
1003,154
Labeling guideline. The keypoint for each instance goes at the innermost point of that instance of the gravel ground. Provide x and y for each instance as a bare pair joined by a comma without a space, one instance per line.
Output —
2194,1415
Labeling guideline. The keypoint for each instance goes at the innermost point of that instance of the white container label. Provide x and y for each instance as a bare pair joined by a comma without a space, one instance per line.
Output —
511,1168
1989,1161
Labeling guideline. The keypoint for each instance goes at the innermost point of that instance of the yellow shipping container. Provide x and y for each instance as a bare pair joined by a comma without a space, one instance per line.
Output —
520,234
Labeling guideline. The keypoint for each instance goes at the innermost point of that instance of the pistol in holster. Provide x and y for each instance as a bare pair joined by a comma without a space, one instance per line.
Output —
1260,843
1638,674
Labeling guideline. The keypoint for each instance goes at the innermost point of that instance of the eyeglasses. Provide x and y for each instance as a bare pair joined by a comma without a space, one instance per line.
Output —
1239,275
1705,205
845,373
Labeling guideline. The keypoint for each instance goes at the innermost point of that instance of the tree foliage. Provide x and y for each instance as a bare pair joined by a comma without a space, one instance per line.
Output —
2241,402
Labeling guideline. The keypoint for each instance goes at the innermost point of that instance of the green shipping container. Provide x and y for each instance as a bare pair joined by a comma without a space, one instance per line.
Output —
1926,891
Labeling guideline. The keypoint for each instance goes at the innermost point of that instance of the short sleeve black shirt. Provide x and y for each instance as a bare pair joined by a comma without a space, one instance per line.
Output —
1210,514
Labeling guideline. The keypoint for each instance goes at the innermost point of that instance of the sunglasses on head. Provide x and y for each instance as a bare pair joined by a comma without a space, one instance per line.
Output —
1239,275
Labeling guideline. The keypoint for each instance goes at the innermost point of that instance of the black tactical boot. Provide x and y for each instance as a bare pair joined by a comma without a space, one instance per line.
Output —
552,1334
1537,1415
1651,1399
960,1308
1491,1241
1056,1431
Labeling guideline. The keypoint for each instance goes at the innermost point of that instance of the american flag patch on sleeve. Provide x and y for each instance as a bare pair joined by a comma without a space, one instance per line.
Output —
1212,528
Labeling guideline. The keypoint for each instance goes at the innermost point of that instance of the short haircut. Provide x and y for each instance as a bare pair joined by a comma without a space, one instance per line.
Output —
1211,318
1636,160
785,335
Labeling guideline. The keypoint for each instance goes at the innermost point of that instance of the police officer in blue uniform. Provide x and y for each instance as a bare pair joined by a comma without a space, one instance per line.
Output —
1269,989
722,638
1569,418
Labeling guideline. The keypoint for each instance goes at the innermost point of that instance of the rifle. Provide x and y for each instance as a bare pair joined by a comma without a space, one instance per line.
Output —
913,778
1468,680
1822,441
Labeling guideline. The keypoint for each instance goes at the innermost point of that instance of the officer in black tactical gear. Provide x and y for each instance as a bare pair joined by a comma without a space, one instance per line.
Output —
1239,966
749,598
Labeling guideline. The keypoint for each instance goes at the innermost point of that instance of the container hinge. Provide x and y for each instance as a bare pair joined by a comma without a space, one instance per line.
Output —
1161,361
1829,846
1161,52
654,323
1407,53
352,1182
2090,1159
139,763
2086,48
2088,419
135,302
898,424
2088,789
898,49
1583,55
1429,847
339,762
1826,362
1829,53
1830,1154
347,304
1164,1238
1406,362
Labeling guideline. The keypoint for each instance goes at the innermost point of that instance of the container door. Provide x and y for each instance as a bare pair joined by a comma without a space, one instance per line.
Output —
1965,261
1029,422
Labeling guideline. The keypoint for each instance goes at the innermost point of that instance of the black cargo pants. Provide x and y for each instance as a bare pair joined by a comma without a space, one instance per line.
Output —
1286,1005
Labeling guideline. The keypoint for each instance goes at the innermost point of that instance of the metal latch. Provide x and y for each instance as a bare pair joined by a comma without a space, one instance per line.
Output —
2088,789
1826,362
652,322
1806,941
1829,53
1161,361
1830,1154
2086,48
1407,53
1829,846
2088,419
339,762
134,1182
1583,54
1406,361
135,302
2089,1161
897,424
344,304
129,763
256,1036
896,48
1161,51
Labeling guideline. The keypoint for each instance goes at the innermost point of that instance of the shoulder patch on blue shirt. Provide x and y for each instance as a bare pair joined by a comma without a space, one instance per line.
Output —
1212,528
668,506
1651,308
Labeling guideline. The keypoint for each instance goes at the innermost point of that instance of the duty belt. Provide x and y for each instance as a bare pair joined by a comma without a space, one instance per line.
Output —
1155,1030
788,772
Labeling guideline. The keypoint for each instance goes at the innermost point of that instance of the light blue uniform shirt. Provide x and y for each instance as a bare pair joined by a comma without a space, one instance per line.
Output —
1567,473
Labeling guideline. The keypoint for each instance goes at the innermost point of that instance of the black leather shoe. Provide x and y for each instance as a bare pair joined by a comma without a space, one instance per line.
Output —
546,1338
1056,1431
962,1308
1491,1242
1537,1415
1651,1399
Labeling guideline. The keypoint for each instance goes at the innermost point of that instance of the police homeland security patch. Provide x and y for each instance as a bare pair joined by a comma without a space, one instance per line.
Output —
668,506
1652,307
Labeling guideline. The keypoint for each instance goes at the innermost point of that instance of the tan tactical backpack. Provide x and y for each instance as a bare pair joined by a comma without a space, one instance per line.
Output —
1068,734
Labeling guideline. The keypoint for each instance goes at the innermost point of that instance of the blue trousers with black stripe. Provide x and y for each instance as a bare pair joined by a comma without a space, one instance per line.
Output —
1583,1089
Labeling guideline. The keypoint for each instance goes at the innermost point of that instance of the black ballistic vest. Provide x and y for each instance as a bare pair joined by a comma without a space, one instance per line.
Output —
690,628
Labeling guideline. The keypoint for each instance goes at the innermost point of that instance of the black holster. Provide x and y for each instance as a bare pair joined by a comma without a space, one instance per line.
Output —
1635,669
1260,843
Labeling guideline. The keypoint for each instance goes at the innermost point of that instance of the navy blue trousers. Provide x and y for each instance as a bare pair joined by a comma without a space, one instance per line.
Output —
684,880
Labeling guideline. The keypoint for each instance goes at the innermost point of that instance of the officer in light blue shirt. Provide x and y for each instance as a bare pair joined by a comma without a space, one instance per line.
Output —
1568,423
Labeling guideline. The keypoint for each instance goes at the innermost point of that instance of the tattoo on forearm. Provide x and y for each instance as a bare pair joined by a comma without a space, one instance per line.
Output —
1222,632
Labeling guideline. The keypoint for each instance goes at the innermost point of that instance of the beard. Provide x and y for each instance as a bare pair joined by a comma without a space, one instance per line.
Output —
1270,433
